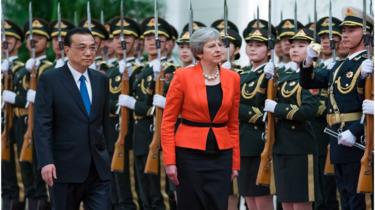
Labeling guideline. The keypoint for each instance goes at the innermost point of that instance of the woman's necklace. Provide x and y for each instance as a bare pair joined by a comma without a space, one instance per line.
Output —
211,77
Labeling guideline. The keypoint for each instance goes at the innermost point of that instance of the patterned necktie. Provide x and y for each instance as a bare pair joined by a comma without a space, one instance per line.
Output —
85,94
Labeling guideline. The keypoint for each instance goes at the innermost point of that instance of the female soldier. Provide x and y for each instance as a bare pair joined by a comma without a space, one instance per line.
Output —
253,95
294,148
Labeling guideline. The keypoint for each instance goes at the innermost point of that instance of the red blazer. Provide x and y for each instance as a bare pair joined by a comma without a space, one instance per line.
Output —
187,96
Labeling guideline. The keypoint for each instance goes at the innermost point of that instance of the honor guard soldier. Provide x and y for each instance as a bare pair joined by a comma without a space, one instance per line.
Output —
286,30
152,187
253,95
124,189
57,46
294,161
41,35
183,42
16,97
326,179
345,83
100,34
251,27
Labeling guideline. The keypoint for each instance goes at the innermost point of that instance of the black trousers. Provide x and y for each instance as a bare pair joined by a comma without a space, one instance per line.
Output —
149,186
94,192
205,179
347,179
327,183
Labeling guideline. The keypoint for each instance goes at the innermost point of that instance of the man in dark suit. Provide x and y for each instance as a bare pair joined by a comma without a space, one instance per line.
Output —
71,118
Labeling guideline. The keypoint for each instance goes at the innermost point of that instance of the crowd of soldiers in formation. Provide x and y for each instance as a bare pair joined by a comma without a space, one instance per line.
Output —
21,181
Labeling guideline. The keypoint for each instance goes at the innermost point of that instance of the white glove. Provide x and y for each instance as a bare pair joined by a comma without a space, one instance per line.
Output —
159,101
126,101
227,65
367,67
269,105
32,62
368,107
155,65
5,65
312,51
93,66
346,138
30,96
121,66
59,63
9,96
269,70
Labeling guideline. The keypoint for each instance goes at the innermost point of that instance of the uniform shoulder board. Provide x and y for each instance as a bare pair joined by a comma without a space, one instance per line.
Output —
167,64
17,65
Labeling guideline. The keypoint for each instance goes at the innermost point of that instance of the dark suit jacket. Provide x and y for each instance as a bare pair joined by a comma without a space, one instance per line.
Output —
64,133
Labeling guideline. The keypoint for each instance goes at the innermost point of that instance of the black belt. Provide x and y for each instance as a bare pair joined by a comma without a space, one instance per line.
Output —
203,124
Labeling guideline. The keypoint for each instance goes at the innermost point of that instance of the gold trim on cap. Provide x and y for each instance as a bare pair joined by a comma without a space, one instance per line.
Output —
56,33
152,31
9,33
39,32
126,32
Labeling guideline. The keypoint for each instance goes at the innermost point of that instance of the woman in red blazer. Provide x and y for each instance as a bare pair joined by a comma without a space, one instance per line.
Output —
202,155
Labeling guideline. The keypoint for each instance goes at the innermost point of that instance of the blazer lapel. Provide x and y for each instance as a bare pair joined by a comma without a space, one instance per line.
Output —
200,89
71,86
95,94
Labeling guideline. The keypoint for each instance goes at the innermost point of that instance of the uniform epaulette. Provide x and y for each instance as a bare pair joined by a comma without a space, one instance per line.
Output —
44,66
17,65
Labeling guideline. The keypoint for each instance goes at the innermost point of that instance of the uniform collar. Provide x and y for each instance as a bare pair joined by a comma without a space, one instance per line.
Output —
350,57
42,57
12,58
259,67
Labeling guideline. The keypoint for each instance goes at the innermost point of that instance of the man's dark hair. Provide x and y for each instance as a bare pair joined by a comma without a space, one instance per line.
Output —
68,37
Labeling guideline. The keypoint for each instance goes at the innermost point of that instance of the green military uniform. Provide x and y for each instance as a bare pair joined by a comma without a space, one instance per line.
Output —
154,188
125,194
326,182
295,160
345,98
31,174
9,183
253,95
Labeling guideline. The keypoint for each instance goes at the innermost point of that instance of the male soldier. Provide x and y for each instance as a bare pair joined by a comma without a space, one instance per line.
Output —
65,26
100,34
345,83
17,97
109,47
124,193
286,30
235,42
152,187
31,176
326,181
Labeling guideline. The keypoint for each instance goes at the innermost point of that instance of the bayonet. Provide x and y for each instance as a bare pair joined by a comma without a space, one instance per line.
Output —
226,40
4,41
59,39
191,19
32,43
122,36
315,21
295,17
330,36
156,27
366,36
88,15
257,16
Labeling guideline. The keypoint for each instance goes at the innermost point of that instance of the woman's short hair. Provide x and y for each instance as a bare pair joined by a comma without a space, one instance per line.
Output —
200,37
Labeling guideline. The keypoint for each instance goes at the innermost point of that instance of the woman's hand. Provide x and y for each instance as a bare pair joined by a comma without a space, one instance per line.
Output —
171,171
234,174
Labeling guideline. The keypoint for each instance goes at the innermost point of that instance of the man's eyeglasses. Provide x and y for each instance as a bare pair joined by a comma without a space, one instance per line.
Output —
83,48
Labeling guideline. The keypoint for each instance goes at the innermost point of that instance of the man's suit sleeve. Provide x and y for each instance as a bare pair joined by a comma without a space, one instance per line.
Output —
43,121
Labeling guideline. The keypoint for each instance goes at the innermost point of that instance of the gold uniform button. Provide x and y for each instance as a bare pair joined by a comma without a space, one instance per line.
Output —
287,108
293,127
249,112
255,127
139,85
136,97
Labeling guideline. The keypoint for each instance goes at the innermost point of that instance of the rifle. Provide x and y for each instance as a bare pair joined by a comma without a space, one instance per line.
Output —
119,152
226,40
8,115
265,166
328,166
191,19
27,145
152,163
365,179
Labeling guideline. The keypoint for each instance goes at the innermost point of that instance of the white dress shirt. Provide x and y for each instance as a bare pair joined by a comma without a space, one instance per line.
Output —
76,75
